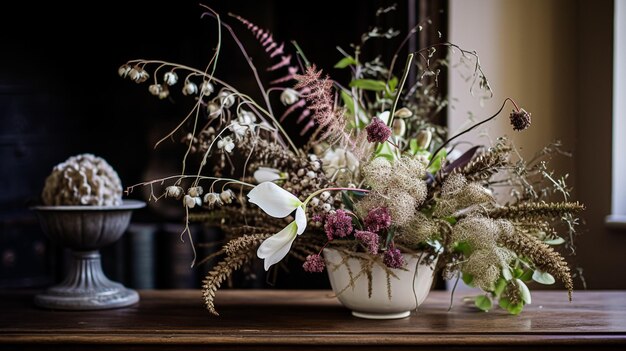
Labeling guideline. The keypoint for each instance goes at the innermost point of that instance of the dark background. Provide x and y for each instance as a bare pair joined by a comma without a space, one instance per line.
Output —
60,95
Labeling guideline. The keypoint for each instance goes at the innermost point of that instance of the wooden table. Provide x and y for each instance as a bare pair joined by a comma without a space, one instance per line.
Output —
290,320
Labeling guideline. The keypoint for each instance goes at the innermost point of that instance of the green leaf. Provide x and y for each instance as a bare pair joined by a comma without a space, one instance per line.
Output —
438,161
506,273
393,83
368,84
385,150
467,278
500,286
524,291
347,102
517,272
511,308
527,276
347,201
555,241
483,302
463,247
413,146
345,62
543,277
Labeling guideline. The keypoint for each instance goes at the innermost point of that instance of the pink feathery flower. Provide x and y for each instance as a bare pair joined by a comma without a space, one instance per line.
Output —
338,224
393,258
377,219
369,239
377,131
314,264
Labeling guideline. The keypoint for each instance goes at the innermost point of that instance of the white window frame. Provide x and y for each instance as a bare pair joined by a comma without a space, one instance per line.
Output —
617,218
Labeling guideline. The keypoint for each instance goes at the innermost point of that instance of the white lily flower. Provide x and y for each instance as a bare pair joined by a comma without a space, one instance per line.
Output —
279,203
266,174
276,247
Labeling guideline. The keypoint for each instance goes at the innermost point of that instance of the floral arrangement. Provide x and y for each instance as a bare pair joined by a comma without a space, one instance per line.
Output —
368,172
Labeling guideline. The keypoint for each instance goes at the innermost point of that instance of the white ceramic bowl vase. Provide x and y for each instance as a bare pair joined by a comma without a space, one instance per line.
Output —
407,292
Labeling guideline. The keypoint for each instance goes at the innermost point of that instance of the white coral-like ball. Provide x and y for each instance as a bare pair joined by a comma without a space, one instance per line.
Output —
85,180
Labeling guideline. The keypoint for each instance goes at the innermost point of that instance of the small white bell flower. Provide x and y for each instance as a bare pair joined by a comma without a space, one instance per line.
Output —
227,99
164,94
213,109
207,88
227,196
212,199
170,78
226,143
173,191
155,89
123,70
191,201
289,96
246,117
195,191
190,88
239,130
138,75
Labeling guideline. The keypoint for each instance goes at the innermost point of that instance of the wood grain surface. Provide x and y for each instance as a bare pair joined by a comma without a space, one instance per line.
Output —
286,319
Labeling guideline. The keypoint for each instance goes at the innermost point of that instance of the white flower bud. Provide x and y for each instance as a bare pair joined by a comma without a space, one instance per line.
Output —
170,78
313,157
195,191
311,174
213,109
315,165
155,89
190,88
207,88
326,207
324,196
399,127
289,96
403,113
300,172
227,99
173,191
423,138
123,70
227,196
315,201
164,94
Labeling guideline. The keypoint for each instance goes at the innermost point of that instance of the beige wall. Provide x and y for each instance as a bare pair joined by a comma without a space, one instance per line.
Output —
554,57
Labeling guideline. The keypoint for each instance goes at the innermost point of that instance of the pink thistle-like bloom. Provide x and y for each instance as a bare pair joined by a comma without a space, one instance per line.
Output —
338,224
393,258
377,131
377,219
314,264
369,239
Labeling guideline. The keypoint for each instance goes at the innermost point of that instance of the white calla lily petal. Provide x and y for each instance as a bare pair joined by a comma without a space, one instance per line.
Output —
274,200
276,247
300,220
266,174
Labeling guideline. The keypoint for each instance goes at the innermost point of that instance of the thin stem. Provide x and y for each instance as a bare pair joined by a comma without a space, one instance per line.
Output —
409,60
470,128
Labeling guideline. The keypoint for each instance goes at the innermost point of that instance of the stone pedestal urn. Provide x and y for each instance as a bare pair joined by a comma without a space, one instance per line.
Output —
84,230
